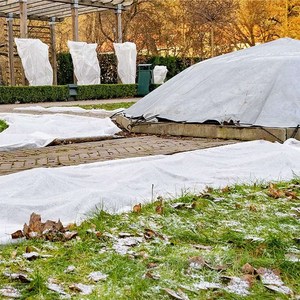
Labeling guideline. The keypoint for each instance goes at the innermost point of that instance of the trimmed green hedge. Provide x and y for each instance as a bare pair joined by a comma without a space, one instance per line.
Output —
106,91
32,94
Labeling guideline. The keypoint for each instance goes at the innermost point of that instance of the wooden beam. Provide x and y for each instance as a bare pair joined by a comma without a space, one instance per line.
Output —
75,29
119,23
53,49
23,19
11,49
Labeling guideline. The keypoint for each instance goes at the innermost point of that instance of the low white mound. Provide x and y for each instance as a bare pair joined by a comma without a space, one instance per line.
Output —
71,193
35,131
256,86
69,110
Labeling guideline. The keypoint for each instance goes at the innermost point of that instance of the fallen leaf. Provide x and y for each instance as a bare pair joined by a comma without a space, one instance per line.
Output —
275,193
159,209
58,289
204,285
291,195
238,286
83,289
31,255
151,265
35,223
10,292
137,208
280,289
151,275
271,280
68,235
97,276
17,235
176,295
17,276
248,269
70,269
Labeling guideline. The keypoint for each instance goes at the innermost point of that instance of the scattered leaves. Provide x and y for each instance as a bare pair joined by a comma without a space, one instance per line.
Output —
137,208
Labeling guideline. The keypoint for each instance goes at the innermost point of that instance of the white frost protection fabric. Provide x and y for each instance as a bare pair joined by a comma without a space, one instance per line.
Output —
256,86
159,74
70,110
35,131
85,62
35,61
71,193
126,55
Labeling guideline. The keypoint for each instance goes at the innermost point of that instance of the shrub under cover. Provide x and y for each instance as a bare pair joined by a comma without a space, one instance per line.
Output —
108,65
32,94
106,91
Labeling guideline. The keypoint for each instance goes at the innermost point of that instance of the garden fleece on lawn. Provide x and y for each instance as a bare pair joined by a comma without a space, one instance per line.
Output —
240,242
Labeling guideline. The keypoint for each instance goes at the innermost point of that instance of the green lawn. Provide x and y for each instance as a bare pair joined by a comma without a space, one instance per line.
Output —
3,125
175,244
108,106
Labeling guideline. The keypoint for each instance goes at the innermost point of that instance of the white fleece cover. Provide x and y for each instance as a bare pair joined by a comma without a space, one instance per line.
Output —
35,131
126,54
85,62
72,193
69,110
34,55
256,86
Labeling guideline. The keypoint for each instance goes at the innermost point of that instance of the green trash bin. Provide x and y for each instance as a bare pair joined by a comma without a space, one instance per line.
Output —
144,79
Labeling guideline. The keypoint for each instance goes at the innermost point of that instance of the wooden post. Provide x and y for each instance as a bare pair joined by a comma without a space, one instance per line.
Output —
75,30
11,49
23,19
53,49
119,23
74,9
23,28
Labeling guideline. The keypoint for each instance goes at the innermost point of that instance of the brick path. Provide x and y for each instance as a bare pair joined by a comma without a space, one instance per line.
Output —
75,154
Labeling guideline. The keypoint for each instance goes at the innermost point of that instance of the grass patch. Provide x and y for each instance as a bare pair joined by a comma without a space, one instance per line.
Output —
240,224
3,125
107,106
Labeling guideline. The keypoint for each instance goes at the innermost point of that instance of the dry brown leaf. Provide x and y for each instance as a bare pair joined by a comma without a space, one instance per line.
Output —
275,193
248,269
151,276
159,209
137,208
249,278
226,189
253,208
17,235
151,265
291,195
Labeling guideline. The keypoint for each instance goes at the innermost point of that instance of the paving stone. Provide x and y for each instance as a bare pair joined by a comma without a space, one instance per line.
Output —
75,154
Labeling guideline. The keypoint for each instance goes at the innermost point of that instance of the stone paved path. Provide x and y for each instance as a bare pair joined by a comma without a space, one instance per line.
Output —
74,154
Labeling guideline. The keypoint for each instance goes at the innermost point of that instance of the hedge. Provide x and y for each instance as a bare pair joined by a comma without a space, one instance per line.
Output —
33,94
106,91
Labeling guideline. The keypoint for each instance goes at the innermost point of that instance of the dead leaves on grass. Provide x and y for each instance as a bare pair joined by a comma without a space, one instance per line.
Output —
50,230
276,193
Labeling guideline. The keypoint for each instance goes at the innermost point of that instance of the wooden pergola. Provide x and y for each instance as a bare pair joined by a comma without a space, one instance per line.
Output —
52,11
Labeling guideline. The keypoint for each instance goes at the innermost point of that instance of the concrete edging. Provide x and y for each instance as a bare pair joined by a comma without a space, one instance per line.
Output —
209,130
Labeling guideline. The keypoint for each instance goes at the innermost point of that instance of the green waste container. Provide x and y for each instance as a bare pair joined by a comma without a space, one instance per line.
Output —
144,79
